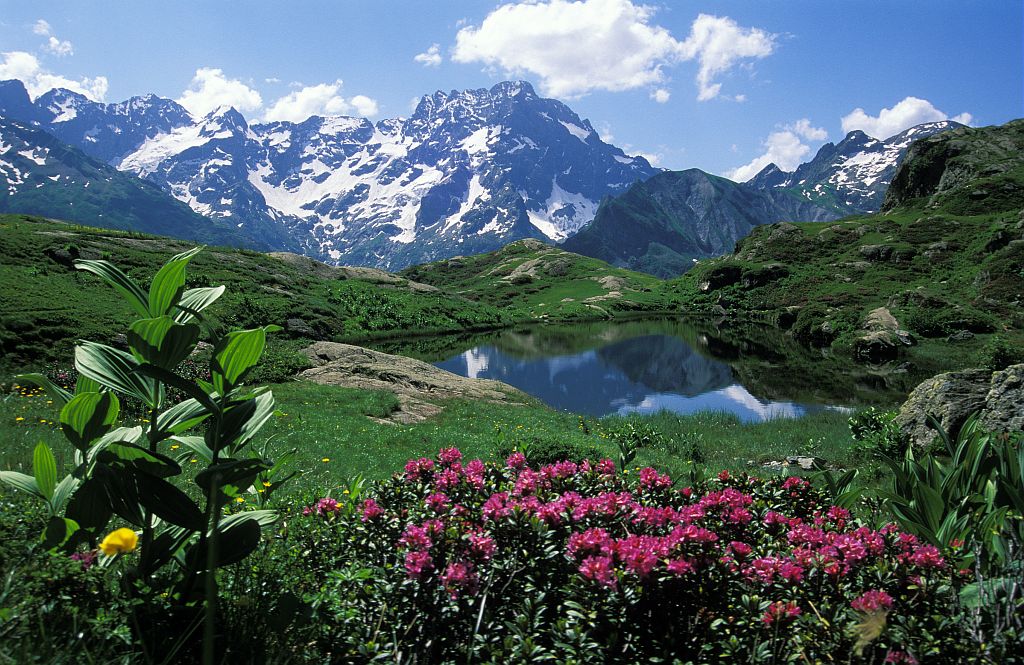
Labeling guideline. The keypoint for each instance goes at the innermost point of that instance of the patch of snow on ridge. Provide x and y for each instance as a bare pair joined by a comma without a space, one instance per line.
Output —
576,130
30,154
156,150
476,193
567,211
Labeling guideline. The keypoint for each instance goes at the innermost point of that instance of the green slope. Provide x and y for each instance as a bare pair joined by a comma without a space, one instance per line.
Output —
542,281
946,256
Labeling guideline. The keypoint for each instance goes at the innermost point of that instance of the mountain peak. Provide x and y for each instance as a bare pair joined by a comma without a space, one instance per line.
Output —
521,89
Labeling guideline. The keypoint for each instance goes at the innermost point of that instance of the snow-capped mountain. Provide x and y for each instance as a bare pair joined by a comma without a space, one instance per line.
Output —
469,171
850,177
41,175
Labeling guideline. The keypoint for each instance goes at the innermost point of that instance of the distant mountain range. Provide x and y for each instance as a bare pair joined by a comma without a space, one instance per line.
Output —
664,225
40,175
467,172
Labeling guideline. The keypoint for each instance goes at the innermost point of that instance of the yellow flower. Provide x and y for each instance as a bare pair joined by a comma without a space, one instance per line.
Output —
175,447
193,460
267,484
121,540
18,419
239,499
346,492
326,460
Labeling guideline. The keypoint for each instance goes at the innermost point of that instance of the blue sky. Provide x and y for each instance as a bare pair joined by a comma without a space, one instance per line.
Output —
722,86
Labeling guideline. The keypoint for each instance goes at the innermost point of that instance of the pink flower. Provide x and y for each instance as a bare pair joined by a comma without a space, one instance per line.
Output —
606,467
87,559
780,612
417,469
927,556
599,569
872,601
459,577
680,567
516,460
371,510
418,564
481,546
591,541
415,538
437,502
651,479
449,456
739,550
838,515
496,507
900,657
326,506
723,475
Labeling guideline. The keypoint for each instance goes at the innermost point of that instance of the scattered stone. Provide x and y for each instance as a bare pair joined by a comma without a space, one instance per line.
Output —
298,327
876,347
960,336
418,385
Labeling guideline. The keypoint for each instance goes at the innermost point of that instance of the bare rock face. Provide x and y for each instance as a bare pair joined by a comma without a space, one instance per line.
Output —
1004,404
882,338
952,397
418,385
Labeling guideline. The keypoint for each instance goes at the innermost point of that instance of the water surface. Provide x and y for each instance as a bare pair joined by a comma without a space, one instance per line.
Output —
600,369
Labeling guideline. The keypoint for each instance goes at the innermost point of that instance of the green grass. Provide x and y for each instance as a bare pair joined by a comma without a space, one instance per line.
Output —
338,425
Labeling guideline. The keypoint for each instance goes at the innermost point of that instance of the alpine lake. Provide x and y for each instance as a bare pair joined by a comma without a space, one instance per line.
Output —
683,366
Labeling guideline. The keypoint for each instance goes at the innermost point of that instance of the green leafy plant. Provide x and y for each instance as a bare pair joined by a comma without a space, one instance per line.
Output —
127,472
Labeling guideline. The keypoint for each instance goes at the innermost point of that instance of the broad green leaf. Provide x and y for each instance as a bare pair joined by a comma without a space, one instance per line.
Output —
169,282
44,467
64,490
90,505
161,341
195,301
261,517
190,388
112,275
115,370
234,355
233,543
84,384
170,504
196,445
88,416
51,388
240,473
132,456
57,532
21,481
181,417
164,547
243,420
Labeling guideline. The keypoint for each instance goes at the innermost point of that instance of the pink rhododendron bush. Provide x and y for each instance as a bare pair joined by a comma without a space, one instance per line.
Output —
459,560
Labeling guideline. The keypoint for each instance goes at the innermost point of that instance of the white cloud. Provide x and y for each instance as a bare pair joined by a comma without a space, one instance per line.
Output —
587,45
889,122
431,57
322,100
55,46
661,95
273,80
718,43
784,148
27,68
210,89
803,127
365,106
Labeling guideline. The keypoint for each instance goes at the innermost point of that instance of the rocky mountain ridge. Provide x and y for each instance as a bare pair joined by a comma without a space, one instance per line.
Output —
468,171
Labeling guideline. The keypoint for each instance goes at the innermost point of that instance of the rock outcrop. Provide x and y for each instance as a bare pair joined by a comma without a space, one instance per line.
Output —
882,337
418,385
954,396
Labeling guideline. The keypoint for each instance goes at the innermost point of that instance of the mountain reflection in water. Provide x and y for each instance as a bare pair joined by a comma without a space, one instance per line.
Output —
641,374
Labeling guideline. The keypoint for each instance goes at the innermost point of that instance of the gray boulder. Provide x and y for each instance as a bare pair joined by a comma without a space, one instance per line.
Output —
954,396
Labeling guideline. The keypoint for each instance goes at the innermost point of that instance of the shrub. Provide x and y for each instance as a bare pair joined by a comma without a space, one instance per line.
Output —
998,353
457,561
876,435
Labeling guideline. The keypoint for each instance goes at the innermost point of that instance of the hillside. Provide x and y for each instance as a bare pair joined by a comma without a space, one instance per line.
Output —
545,281
946,259
663,225
40,175
46,303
